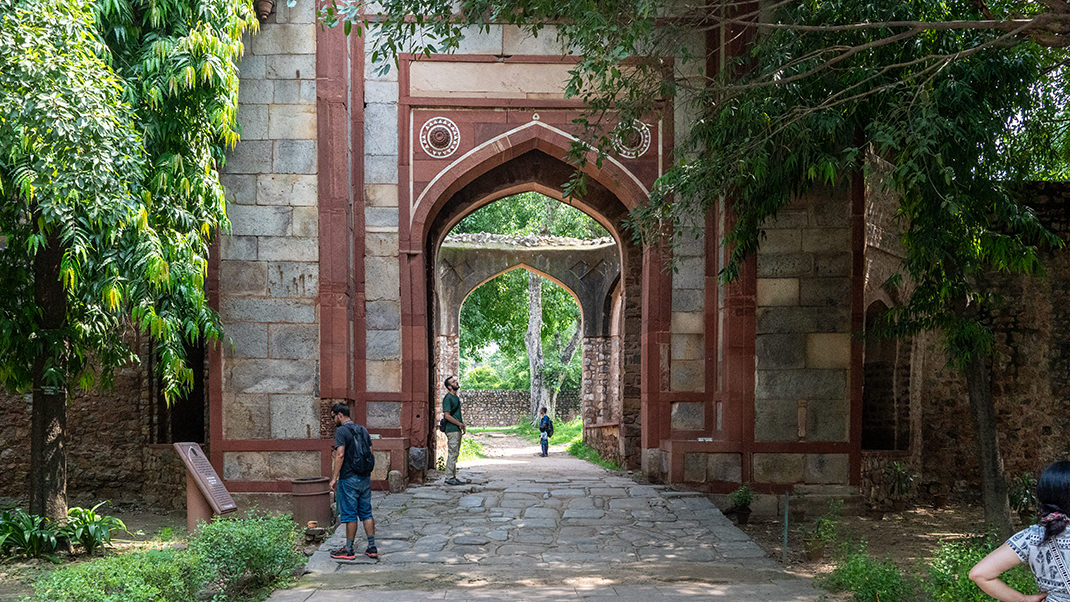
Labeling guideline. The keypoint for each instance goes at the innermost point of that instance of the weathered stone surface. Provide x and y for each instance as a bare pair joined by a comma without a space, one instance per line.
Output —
380,128
781,241
291,66
238,247
384,377
252,309
293,341
242,277
777,291
258,465
295,156
688,375
783,266
381,217
279,38
827,420
688,415
240,189
724,467
250,339
688,347
305,222
381,195
382,244
381,278
828,350
253,120
293,417
381,169
271,376
286,189
395,481
689,301
250,157
776,420
780,351
802,319
381,92
825,292
827,468
832,264
288,248
382,464
695,467
255,91
384,414
245,417
382,315
292,279
800,384
383,344
255,220
688,322
826,240
778,468
690,273
518,41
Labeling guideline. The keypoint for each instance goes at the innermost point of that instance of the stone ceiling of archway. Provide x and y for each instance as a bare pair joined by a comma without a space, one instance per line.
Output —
589,269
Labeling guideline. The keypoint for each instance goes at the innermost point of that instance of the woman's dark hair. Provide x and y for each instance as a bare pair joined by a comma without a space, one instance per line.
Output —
340,408
1053,495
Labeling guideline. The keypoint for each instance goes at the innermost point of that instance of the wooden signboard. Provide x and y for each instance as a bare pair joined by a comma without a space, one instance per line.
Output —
208,482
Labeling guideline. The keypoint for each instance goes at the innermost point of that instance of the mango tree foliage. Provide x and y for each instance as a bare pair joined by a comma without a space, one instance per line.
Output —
113,121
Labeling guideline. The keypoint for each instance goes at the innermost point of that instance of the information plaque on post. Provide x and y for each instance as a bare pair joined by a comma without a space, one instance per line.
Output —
205,493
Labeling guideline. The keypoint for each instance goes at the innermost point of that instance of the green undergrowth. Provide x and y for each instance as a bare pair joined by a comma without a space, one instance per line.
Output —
945,579
582,451
470,449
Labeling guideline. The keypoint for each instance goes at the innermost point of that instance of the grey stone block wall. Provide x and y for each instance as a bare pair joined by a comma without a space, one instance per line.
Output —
269,270
803,330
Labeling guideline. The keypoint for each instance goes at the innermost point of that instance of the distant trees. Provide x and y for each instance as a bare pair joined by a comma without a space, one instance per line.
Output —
521,315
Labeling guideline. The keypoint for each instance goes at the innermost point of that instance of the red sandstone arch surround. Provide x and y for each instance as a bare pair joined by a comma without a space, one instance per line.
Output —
531,157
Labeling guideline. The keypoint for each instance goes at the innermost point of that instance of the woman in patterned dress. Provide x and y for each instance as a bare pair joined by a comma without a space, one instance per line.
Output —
1044,547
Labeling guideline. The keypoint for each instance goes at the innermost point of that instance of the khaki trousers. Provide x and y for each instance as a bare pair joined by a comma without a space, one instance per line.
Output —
453,446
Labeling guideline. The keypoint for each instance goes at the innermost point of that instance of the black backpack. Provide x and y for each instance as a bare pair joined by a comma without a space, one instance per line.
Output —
363,460
549,428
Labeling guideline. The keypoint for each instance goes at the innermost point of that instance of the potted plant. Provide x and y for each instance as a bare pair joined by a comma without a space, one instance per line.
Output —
741,500
1022,493
900,483
823,533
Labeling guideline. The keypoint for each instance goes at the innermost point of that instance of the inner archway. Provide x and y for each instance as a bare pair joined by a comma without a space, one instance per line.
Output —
612,316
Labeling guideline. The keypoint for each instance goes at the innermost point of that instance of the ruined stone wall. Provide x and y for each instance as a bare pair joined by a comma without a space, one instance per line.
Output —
506,408
1030,373
107,432
269,270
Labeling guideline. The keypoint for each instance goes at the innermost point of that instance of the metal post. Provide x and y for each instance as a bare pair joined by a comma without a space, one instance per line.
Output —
784,543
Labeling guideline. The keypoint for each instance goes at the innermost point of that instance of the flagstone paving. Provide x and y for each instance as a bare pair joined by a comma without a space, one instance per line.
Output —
557,528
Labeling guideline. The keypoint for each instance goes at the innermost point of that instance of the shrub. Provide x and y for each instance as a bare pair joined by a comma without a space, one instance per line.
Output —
151,576
248,553
28,535
90,529
582,451
948,578
870,580
470,450
824,532
742,497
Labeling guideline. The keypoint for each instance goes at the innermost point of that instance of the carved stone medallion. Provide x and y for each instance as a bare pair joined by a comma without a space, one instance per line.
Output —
439,137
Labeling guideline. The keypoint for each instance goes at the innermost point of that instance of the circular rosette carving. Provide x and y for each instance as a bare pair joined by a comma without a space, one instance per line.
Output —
632,140
439,137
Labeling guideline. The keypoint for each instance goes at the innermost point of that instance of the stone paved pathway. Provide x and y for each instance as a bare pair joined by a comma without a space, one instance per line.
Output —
557,528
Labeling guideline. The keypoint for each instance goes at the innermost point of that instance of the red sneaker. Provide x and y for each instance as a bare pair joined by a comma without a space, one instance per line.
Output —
343,554
372,552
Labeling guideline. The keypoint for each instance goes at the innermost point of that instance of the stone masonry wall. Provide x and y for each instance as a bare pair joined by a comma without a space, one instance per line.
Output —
106,434
506,408
1030,373
803,337
269,271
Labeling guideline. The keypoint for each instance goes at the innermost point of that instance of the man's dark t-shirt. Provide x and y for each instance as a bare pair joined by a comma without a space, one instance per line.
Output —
347,435
451,404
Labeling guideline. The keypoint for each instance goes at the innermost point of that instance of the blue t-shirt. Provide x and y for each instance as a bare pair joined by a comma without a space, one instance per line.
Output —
1041,560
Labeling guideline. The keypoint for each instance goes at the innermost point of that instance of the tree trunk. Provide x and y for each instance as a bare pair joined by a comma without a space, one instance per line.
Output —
48,456
566,358
993,485
533,342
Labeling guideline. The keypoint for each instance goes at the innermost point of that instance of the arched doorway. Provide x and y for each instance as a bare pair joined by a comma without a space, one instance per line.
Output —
526,159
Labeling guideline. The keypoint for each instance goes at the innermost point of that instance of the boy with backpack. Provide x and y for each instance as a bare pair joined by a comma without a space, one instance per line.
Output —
353,463
546,430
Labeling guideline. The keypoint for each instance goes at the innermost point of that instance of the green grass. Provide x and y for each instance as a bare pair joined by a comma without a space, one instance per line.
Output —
568,433
580,450
470,450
